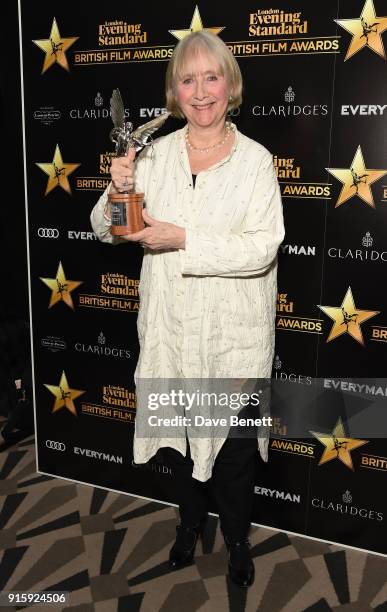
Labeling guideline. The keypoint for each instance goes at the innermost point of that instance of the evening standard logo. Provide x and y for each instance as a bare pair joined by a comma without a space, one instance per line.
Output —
289,175
287,319
119,32
276,22
293,447
278,427
345,506
280,374
276,31
99,182
47,115
363,110
276,495
102,348
365,251
116,292
99,456
291,106
117,403
120,42
99,110
54,344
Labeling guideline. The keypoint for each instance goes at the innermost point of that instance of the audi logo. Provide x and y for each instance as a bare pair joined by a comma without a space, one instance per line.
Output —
48,232
59,446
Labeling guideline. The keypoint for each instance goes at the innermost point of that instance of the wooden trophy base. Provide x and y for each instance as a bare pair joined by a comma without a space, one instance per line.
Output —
126,213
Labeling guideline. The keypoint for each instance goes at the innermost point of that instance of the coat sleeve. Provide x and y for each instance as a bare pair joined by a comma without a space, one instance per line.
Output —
100,222
249,253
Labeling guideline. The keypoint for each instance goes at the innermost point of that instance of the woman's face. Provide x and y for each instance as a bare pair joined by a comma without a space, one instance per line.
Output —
203,93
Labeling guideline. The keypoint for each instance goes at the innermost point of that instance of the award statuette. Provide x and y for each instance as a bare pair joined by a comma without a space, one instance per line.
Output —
126,207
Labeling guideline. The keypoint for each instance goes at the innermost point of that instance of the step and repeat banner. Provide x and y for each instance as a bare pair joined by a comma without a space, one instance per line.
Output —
315,94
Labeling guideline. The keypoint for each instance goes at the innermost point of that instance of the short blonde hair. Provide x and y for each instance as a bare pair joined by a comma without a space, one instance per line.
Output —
183,54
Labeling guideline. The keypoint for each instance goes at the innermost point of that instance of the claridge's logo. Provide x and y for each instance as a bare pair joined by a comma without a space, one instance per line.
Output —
290,109
346,507
300,379
365,254
101,348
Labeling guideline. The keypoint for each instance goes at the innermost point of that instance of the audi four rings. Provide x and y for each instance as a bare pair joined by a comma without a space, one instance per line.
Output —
60,446
48,232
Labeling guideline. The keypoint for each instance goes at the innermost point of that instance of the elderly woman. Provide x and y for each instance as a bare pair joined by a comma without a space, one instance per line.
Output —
208,280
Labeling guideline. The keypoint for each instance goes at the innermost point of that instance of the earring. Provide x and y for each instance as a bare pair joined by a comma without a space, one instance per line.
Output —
230,98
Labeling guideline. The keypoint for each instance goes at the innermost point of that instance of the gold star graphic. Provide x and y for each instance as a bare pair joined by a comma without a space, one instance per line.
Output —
61,287
57,172
64,396
338,445
366,31
356,180
196,26
347,318
55,48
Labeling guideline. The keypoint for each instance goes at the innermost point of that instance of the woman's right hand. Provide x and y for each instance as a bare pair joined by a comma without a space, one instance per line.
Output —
122,172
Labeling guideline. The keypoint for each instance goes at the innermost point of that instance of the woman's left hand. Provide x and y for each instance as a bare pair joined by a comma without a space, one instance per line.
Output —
159,235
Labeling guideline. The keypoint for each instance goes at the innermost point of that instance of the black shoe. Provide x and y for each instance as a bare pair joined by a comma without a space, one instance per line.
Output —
240,566
183,550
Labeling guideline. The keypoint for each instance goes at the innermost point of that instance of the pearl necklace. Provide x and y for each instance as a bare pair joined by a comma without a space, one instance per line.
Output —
229,129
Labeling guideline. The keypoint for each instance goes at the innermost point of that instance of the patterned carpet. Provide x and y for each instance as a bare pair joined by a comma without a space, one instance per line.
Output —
110,552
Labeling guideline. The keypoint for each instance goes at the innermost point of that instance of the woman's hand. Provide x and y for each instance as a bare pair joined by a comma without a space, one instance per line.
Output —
122,172
159,235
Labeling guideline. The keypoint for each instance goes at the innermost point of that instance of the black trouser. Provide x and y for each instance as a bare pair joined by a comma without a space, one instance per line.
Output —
231,483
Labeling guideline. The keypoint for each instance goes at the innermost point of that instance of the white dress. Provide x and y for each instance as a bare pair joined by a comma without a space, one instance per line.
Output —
208,311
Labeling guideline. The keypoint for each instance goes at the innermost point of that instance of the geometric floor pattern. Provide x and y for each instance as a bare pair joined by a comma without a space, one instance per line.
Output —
110,550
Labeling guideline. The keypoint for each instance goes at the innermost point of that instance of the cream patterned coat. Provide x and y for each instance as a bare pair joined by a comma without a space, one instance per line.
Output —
207,311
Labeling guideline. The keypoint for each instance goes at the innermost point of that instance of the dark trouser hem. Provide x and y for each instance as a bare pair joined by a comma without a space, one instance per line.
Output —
231,484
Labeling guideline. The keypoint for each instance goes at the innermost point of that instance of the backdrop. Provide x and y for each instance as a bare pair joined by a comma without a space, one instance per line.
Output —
315,95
